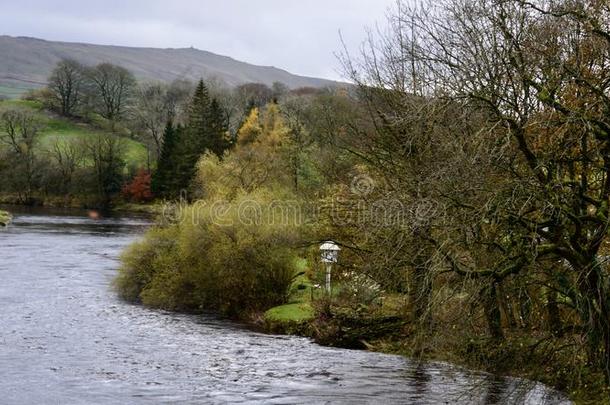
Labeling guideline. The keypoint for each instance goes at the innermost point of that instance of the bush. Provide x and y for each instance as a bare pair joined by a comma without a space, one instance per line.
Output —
143,260
138,189
213,260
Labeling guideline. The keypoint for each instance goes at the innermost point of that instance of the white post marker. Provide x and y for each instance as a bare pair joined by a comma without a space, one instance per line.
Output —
330,255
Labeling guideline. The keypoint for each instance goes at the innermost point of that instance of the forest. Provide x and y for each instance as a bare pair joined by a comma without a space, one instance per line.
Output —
464,172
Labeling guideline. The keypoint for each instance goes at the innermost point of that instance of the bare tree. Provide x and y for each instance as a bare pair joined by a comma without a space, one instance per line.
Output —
536,73
20,130
107,153
67,84
68,157
112,88
152,112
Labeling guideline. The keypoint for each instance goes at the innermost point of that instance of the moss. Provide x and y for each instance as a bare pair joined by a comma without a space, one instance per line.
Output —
5,218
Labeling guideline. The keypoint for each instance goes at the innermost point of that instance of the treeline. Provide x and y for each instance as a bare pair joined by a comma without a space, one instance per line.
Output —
469,173
91,169
109,113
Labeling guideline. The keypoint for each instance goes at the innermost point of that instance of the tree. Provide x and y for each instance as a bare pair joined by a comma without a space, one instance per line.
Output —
152,110
68,157
67,84
177,100
138,189
218,129
535,77
20,133
259,159
164,178
107,153
279,90
206,130
112,87
254,94
540,71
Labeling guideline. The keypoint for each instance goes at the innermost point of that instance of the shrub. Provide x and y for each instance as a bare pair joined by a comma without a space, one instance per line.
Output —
138,189
142,260
213,260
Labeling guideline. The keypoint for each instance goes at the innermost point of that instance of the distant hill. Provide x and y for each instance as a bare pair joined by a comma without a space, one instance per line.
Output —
25,63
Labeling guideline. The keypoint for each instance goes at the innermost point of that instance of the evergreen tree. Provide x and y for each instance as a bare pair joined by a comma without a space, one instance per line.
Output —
198,120
207,125
218,128
166,165
206,130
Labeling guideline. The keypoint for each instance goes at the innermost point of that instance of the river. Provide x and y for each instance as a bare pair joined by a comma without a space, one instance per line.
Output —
65,338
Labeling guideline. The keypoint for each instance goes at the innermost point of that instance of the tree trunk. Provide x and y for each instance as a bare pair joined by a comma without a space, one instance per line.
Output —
421,288
595,315
492,312
505,304
553,317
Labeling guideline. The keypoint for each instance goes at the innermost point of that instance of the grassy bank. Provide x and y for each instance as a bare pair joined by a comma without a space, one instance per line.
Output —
119,206
530,355
57,130
380,324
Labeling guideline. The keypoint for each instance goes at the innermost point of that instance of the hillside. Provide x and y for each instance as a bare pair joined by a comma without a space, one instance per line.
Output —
25,63
58,130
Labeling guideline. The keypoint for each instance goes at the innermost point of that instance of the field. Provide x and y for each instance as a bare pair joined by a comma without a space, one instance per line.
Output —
58,130
11,92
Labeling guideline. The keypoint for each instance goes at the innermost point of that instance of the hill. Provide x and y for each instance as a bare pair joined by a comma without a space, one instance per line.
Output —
58,130
25,63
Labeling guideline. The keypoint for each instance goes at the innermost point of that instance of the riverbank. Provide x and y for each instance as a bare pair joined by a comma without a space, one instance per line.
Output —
521,355
74,203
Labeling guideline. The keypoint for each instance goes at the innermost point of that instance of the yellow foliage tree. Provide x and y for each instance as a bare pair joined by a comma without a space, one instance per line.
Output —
258,159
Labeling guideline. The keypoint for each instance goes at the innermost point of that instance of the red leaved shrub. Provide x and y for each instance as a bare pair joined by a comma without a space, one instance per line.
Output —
138,189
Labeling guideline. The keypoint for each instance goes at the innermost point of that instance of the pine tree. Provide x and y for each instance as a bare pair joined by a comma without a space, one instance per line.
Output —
218,128
207,127
206,130
198,120
166,165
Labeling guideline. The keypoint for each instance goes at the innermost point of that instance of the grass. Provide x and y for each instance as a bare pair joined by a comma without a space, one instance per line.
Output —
297,312
299,307
28,104
59,130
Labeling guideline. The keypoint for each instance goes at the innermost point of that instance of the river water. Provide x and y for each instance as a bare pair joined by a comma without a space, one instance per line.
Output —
65,338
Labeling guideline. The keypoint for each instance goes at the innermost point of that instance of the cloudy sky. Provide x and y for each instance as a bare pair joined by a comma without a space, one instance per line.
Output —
299,36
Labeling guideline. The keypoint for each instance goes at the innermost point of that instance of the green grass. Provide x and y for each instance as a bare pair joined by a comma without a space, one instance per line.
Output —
28,104
297,312
61,130
299,308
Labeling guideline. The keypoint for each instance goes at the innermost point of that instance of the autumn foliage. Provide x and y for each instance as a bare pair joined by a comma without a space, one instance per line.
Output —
138,189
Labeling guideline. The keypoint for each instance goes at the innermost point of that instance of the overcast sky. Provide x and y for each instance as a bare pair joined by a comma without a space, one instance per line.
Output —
299,36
